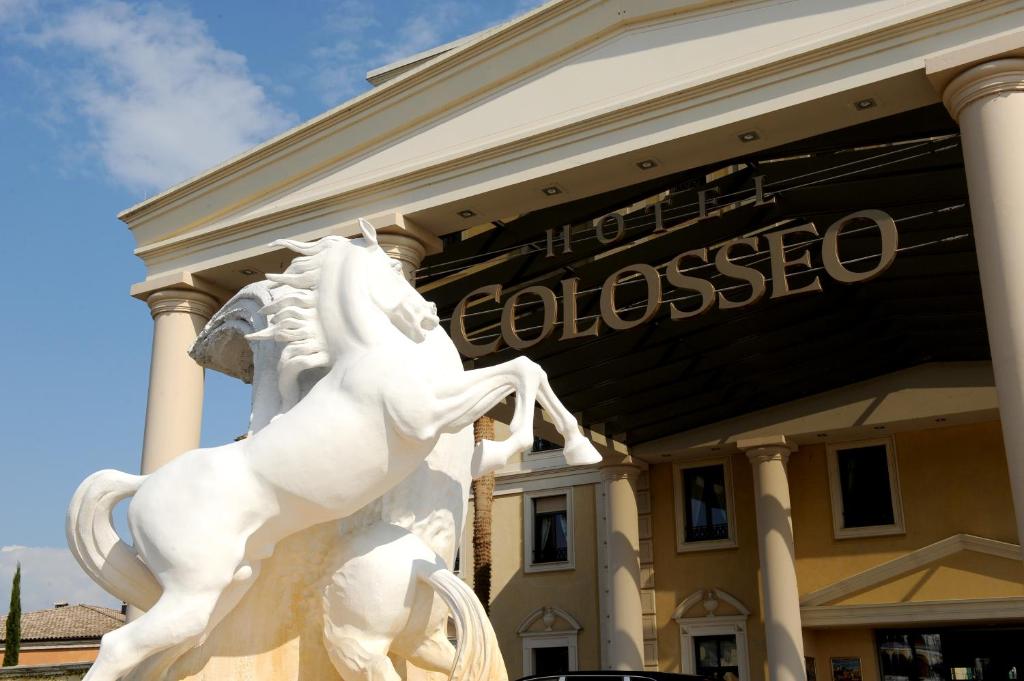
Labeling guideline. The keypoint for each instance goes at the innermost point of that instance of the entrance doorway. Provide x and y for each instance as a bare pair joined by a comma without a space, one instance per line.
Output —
952,654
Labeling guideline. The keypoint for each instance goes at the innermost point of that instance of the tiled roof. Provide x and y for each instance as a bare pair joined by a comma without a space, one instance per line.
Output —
67,622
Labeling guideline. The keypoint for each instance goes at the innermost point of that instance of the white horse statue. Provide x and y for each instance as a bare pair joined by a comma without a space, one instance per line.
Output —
203,523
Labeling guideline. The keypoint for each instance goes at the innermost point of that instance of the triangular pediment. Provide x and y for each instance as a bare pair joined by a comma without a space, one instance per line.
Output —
972,568
547,97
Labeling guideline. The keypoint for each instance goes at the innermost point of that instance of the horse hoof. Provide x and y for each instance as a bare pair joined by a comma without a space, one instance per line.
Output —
580,452
488,456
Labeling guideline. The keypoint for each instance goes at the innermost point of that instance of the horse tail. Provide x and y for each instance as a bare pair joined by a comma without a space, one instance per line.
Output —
477,656
94,543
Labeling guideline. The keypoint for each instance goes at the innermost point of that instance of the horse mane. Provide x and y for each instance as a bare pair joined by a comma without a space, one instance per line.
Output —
292,317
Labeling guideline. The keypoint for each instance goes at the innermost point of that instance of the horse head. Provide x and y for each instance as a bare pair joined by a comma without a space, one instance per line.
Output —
410,312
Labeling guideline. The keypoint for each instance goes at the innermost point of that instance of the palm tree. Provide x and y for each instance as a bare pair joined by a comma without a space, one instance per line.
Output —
483,502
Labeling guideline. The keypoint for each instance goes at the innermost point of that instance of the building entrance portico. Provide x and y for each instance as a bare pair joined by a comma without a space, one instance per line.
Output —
761,249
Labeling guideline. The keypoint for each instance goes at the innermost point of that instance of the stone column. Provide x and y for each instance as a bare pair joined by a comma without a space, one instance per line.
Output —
625,629
783,630
407,250
988,102
174,410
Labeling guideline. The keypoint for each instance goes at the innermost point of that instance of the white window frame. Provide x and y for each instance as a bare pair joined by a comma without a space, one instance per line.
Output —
570,562
558,639
563,638
683,546
710,624
836,494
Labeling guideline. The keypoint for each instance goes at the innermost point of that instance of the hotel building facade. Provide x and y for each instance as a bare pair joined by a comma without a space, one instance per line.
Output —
768,251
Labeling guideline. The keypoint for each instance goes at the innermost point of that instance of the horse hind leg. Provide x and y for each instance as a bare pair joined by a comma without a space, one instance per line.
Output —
156,666
176,619
433,653
359,659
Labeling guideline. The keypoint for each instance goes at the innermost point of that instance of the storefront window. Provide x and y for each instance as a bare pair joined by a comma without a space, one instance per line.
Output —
717,657
911,656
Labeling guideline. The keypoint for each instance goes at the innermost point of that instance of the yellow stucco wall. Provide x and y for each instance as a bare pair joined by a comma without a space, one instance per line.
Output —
516,594
953,480
677,575
824,644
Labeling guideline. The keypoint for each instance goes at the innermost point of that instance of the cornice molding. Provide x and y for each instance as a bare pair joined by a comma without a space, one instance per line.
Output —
991,79
704,88
963,610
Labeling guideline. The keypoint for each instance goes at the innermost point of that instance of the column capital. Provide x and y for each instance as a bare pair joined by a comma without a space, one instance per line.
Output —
620,471
767,448
182,300
407,250
404,240
990,79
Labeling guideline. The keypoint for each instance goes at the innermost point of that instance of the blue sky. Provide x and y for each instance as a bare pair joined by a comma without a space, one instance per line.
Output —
101,105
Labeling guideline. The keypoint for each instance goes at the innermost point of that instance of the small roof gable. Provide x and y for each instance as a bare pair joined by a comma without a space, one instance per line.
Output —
938,553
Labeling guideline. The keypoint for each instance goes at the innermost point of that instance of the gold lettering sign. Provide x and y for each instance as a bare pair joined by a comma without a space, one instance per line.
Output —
788,253
830,246
509,330
610,312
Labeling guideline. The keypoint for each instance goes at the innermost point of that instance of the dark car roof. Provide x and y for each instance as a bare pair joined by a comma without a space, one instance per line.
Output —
617,674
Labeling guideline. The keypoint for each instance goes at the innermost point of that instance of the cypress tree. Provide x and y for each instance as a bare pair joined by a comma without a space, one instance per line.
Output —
12,645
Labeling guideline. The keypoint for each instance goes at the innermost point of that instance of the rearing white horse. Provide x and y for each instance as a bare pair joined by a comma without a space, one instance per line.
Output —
203,523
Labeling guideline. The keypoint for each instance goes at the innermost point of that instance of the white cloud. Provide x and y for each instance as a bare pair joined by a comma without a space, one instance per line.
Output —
354,29
12,11
48,576
162,100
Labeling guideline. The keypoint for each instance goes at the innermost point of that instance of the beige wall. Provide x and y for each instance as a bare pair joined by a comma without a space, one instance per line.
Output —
677,575
56,655
515,594
824,644
953,480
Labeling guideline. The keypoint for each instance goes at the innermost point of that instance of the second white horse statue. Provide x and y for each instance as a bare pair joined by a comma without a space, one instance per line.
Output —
203,523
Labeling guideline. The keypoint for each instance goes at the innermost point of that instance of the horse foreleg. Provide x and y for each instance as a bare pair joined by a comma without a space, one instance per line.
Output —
577,449
476,392
472,394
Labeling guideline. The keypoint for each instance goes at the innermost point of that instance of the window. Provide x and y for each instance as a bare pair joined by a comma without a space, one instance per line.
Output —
457,563
553,660
542,445
704,518
716,656
865,489
550,637
548,530
713,635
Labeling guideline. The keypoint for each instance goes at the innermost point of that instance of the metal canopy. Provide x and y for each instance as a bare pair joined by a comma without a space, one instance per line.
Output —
668,376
